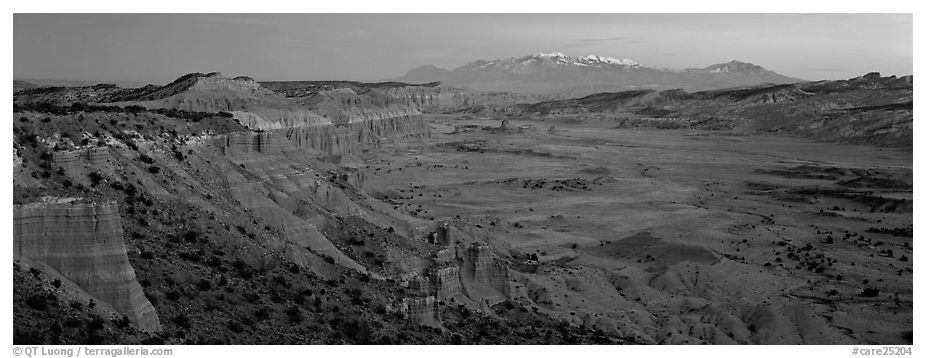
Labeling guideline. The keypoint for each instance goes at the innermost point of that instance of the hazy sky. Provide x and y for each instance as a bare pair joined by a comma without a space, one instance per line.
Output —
161,47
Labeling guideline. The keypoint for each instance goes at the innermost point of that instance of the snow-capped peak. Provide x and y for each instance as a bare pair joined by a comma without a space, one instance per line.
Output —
551,54
610,60
585,60
545,61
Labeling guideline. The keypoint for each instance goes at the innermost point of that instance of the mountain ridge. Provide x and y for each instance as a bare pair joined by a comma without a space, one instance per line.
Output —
556,72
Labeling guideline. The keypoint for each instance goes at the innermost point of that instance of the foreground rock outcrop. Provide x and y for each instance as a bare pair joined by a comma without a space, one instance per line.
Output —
83,242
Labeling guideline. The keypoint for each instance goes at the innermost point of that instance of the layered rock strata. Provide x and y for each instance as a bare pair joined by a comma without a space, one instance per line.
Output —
84,243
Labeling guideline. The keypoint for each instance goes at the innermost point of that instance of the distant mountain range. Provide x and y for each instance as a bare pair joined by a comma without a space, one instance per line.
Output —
560,73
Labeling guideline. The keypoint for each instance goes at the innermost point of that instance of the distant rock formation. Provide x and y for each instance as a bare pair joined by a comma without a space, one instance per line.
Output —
421,310
869,109
560,73
466,271
327,139
83,242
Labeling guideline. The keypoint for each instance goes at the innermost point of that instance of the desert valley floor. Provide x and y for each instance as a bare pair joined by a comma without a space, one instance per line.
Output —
653,228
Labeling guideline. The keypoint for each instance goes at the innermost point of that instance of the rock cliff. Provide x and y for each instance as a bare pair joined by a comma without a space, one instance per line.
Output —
326,138
84,243
466,270
420,310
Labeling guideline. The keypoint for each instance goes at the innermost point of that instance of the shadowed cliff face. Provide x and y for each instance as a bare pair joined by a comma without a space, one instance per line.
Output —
84,244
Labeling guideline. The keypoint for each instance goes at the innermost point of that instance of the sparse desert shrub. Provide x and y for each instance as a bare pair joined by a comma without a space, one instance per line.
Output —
190,236
870,292
173,295
235,326
37,302
243,269
295,314
456,339
123,322
95,178
262,313
251,297
130,189
154,169
194,256
214,261
181,320
117,185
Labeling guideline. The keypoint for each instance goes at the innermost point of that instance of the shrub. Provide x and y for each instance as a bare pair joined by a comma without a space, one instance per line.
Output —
135,109
37,302
194,256
262,314
182,320
214,261
235,326
173,295
295,314
869,292
130,189
117,185
190,236
95,178
243,269
154,169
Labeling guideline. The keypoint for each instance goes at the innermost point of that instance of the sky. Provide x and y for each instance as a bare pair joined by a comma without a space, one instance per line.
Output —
370,47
